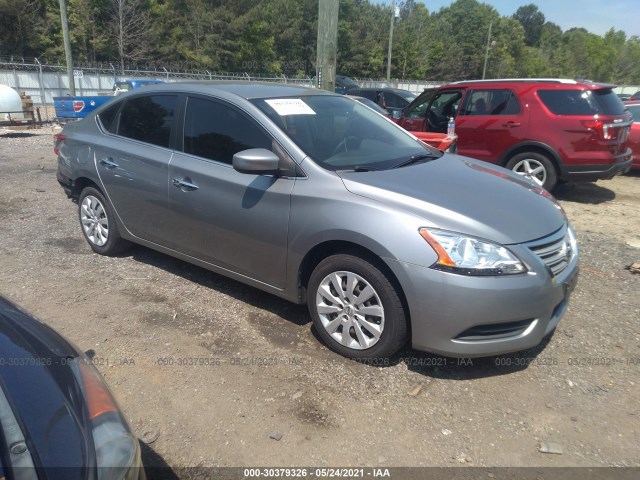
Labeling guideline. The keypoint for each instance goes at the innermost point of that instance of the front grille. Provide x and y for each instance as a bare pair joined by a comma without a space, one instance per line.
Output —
554,251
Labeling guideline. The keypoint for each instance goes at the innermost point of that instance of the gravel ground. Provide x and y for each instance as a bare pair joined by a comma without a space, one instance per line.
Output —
214,373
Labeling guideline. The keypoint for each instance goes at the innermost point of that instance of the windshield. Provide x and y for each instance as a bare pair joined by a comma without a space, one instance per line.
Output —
408,96
340,134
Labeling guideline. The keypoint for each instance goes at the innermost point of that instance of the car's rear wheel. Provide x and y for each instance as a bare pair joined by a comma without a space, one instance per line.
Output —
98,223
536,166
355,308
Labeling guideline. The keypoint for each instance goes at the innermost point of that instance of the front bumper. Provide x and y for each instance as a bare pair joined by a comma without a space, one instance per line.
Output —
469,316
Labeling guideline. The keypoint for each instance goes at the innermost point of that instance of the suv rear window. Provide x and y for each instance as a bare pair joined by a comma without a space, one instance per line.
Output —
582,102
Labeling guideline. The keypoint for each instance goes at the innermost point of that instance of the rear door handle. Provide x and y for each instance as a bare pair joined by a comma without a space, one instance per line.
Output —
511,124
184,184
108,162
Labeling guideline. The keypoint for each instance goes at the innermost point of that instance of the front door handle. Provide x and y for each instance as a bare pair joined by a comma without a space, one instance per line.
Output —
511,124
108,162
184,184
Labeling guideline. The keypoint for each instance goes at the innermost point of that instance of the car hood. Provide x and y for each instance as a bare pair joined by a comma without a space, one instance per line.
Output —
466,196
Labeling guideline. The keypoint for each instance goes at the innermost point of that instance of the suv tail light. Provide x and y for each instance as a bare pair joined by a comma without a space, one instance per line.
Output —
606,131
78,105
58,139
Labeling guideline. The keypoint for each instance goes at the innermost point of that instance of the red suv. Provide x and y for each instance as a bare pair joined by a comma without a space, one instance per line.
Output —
546,129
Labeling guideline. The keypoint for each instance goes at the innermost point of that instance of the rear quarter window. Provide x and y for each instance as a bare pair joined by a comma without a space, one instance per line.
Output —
582,102
108,117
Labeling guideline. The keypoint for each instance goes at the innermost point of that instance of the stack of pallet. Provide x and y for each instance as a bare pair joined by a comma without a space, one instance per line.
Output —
27,109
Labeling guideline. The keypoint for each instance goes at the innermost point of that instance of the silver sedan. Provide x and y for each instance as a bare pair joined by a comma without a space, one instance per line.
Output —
315,198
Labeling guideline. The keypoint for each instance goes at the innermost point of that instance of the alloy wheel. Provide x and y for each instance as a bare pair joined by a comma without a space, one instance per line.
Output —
94,220
533,169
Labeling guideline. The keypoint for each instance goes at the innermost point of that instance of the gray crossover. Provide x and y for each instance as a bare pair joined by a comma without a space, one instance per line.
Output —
316,198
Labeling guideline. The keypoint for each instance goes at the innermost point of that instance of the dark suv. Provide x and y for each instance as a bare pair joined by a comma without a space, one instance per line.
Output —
547,129
391,99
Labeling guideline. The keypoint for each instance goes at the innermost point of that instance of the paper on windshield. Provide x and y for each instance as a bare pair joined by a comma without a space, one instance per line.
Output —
290,106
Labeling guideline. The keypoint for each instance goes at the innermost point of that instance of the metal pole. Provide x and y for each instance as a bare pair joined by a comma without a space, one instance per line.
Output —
486,55
327,44
43,93
67,47
393,17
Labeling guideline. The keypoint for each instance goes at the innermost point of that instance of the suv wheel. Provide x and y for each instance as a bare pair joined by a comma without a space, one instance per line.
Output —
536,166
355,309
98,223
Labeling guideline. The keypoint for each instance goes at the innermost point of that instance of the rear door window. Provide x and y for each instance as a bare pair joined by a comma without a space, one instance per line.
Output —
393,100
217,131
148,118
491,102
582,102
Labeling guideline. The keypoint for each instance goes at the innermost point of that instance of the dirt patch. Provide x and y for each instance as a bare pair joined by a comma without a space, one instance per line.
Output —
72,245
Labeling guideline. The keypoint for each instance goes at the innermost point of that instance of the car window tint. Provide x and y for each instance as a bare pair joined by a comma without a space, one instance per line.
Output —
148,119
393,100
445,104
610,103
216,131
370,94
582,102
491,102
108,118
420,104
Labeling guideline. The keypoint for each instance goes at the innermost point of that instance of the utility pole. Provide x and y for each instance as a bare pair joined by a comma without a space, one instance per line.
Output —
67,47
327,44
393,18
486,55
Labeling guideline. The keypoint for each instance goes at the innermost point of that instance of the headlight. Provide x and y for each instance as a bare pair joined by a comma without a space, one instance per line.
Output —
466,255
117,451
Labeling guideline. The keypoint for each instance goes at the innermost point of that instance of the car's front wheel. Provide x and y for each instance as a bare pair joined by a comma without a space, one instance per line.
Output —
536,166
355,308
98,223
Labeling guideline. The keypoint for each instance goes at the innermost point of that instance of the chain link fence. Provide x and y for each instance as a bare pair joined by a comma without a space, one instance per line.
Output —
43,81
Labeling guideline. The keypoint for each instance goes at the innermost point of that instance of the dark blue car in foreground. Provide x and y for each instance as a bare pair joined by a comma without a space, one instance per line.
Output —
58,419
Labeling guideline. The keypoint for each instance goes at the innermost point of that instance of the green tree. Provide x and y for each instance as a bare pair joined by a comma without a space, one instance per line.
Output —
532,20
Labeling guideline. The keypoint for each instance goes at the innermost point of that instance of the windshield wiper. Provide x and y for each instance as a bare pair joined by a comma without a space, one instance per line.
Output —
359,168
416,159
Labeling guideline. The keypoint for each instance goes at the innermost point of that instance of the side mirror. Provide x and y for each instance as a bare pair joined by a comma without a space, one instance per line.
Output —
256,161
396,114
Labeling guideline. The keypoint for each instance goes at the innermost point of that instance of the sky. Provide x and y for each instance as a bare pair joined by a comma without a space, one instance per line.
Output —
596,16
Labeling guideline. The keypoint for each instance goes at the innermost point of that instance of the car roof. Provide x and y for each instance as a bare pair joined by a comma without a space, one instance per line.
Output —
244,89
528,81
384,89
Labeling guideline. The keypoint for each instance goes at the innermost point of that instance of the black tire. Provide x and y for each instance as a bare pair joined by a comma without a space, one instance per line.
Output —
516,164
108,243
393,320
